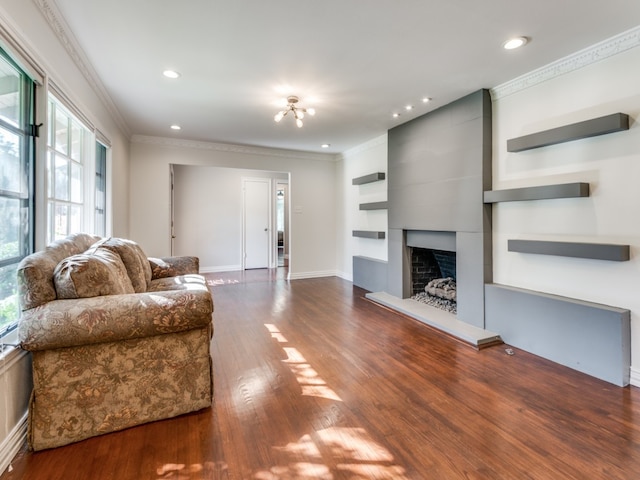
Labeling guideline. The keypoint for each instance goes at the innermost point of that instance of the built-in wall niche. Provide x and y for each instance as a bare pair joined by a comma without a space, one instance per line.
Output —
615,122
382,205
589,337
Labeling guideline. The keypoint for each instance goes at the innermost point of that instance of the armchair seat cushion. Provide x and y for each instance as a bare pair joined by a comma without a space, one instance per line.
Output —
68,323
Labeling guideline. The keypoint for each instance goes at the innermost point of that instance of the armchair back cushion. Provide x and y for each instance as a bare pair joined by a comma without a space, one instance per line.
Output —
35,273
97,272
134,259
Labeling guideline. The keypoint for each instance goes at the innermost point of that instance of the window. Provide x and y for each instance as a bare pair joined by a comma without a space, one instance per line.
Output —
16,182
69,158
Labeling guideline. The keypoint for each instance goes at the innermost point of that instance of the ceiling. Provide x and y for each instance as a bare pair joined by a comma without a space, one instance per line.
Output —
355,61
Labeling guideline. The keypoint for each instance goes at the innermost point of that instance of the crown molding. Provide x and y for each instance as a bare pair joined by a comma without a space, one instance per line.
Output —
14,37
371,144
596,53
231,148
63,32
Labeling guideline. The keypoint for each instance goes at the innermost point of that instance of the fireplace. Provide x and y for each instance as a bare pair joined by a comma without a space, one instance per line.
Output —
428,264
439,165
433,278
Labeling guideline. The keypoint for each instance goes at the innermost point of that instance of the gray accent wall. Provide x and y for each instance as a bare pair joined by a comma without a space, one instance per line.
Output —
439,168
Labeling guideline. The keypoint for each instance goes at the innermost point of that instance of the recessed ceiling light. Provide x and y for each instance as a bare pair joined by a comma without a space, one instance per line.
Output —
396,115
409,107
426,100
325,145
516,42
175,127
171,74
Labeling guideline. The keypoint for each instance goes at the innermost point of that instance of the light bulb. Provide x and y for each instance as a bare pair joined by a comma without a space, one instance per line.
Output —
171,74
515,43
299,114
278,116
299,123
311,111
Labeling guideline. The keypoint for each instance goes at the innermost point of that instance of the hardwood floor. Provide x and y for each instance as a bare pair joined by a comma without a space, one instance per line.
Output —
312,381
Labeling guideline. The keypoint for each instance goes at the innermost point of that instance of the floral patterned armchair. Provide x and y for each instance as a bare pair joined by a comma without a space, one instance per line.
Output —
117,339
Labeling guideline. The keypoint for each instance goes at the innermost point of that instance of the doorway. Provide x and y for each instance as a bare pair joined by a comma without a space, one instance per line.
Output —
282,224
208,216
256,222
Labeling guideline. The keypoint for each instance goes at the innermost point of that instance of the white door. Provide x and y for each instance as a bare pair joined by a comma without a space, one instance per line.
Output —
256,232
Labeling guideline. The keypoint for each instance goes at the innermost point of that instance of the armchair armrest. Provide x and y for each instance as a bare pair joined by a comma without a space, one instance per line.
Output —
173,266
66,323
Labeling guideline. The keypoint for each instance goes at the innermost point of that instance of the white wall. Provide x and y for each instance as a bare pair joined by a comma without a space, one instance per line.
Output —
52,52
364,159
26,33
208,214
610,163
312,194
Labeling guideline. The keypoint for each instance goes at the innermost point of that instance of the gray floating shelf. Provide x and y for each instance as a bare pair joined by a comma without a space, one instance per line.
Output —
615,122
368,234
543,192
372,177
595,251
374,206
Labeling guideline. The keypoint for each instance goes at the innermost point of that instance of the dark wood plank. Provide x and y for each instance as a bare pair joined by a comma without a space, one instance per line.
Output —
313,381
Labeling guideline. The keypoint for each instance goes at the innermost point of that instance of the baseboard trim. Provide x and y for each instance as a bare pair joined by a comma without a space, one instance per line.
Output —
12,444
224,268
634,378
303,275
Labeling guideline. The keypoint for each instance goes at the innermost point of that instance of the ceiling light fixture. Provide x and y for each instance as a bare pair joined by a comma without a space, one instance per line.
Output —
325,145
408,107
396,115
170,74
175,127
514,43
298,112
426,100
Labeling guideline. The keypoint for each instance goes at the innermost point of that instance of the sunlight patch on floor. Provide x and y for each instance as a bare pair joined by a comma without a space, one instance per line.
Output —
311,383
329,453
195,471
213,282
349,451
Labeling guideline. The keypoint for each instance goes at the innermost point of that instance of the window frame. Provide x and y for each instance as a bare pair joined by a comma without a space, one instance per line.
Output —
85,202
27,132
